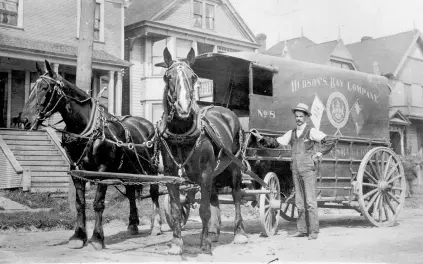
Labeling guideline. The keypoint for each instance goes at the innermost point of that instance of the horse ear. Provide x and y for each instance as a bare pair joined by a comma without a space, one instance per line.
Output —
191,57
40,72
50,70
167,57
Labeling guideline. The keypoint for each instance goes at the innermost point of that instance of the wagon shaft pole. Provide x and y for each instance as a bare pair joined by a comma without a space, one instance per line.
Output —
126,176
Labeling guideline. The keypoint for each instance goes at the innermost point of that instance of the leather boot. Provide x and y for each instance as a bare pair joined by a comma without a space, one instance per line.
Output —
299,234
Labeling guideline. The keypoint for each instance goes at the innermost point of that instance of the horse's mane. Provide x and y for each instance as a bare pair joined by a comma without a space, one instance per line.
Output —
76,91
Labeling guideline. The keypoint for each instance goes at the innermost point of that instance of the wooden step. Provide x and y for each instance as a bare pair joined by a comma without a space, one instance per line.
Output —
49,189
30,142
26,147
25,137
51,179
50,152
50,174
44,184
48,168
22,132
33,158
42,162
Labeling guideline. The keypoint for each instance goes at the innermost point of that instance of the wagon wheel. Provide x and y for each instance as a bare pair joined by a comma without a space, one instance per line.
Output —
289,210
268,215
381,186
184,212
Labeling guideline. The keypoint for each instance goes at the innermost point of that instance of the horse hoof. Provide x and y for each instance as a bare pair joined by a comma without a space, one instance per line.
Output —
76,244
206,248
174,249
132,230
240,239
155,231
97,245
214,237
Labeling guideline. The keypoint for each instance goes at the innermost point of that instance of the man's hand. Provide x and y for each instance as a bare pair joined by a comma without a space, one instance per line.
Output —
317,156
255,133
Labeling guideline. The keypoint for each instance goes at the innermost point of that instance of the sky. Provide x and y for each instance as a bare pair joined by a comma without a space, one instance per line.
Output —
322,20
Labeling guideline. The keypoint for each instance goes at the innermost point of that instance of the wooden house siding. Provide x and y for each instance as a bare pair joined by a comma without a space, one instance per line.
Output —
8,176
411,135
225,26
112,30
136,73
179,15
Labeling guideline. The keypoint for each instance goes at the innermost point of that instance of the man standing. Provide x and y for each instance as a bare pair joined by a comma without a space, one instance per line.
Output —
302,140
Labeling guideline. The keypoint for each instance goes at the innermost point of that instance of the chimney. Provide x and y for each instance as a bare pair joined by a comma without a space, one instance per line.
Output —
376,69
366,38
261,38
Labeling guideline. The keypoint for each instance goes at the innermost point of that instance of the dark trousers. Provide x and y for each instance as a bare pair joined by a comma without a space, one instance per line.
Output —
305,198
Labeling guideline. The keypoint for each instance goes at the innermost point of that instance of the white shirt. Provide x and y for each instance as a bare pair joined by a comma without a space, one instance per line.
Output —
315,135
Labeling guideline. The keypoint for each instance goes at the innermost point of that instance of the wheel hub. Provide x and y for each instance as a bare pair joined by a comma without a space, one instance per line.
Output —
383,185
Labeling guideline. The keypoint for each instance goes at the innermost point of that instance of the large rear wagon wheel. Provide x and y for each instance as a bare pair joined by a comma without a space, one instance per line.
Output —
381,186
269,216
185,210
289,210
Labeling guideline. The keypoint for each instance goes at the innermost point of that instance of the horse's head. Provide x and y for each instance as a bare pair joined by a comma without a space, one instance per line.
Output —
180,80
46,94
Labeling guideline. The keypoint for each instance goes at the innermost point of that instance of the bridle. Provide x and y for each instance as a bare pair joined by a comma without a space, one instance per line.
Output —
48,110
172,98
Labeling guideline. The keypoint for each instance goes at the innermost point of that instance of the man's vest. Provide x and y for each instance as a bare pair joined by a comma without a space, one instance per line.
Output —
302,151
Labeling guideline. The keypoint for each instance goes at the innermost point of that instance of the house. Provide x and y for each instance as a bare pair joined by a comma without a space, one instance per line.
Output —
179,25
32,31
398,57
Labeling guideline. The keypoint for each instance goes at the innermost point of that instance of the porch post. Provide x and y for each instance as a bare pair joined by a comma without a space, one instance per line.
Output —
27,84
111,92
9,97
401,131
119,94
95,86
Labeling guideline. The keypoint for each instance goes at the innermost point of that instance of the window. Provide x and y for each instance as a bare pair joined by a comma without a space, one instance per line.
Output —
209,16
198,14
157,56
204,48
98,20
341,64
11,12
203,15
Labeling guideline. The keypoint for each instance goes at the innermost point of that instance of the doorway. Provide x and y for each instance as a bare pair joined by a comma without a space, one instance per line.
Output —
396,142
3,99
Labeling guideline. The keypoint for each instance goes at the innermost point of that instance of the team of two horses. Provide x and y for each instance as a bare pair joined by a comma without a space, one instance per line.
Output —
93,141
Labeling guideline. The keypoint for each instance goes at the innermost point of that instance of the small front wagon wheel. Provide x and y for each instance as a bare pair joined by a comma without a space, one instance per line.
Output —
184,212
381,186
289,210
269,216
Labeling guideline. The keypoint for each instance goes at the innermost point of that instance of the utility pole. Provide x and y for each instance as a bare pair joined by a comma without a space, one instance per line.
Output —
83,66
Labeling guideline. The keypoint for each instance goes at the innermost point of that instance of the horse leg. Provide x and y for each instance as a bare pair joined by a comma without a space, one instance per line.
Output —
79,238
205,214
97,240
239,230
156,217
133,211
176,245
215,221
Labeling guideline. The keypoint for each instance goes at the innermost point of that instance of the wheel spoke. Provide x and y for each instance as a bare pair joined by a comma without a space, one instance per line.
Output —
394,179
369,193
385,208
370,176
375,172
370,184
394,168
389,204
376,205
371,202
380,208
378,165
382,164
388,163
398,189
394,197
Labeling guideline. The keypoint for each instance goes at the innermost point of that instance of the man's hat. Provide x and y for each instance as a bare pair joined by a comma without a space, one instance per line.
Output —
303,108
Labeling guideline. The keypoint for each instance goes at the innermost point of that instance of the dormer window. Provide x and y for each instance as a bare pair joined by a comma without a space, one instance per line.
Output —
203,15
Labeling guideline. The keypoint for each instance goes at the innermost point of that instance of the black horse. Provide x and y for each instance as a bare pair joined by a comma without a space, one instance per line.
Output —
93,141
192,153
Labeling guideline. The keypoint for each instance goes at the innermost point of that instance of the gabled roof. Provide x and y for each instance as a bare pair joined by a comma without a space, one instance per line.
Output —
387,51
50,48
140,10
397,117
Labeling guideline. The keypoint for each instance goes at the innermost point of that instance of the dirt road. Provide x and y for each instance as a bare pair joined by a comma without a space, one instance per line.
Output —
344,237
